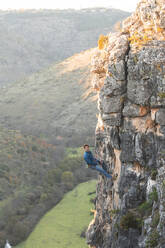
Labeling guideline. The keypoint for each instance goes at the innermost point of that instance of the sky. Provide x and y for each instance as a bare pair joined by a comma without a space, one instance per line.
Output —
128,5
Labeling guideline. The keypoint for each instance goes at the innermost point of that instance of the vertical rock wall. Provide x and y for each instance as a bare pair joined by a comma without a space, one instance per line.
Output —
130,134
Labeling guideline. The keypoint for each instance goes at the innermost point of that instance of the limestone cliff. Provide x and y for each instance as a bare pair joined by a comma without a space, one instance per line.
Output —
129,74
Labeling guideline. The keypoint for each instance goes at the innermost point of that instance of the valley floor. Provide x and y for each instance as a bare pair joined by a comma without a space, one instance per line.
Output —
62,226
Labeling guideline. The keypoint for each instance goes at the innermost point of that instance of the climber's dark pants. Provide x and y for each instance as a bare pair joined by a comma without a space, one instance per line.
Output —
104,166
101,170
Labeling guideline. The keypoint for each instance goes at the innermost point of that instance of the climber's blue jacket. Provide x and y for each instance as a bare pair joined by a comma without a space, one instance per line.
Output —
90,160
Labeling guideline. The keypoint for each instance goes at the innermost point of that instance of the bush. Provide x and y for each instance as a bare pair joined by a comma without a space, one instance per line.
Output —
154,174
114,211
153,239
145,208
54,176
68,179
153,196
11,222
20,231
70,164
130,221
67,176
155,219
43,197
161,94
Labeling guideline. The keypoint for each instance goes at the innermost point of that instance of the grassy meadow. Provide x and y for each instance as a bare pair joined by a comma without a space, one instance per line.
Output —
62,226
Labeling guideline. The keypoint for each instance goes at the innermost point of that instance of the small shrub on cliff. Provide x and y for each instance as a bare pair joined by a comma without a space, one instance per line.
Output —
130,221
155,219
145,208
153,196
153,239
161,94
114,211
154,174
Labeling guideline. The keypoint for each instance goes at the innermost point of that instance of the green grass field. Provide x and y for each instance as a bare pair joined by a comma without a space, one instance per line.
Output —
61,227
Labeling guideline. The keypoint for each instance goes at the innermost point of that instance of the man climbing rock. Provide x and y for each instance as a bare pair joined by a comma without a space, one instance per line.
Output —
94,163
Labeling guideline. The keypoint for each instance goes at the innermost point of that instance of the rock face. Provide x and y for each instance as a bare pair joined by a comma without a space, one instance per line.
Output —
130,134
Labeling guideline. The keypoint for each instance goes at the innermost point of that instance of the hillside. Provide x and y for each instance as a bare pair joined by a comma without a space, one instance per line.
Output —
34,176
24,160
33,39
65,223
49,104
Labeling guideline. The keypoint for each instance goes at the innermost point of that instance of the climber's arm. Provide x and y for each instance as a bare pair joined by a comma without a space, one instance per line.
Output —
90,159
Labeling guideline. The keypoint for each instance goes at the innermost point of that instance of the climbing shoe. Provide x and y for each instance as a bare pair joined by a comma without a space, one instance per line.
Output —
115,176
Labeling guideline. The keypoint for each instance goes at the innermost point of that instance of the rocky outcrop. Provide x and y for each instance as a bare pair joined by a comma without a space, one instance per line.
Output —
130,134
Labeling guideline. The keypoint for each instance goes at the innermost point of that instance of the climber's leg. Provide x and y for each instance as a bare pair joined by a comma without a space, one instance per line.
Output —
104,166
101,170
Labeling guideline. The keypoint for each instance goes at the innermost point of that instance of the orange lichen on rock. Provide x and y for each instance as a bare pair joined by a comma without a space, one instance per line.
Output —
139,39
102,42
143,110
149,123
145,24
139,124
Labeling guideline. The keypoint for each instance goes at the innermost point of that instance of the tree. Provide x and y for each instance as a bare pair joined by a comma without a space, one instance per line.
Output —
67,179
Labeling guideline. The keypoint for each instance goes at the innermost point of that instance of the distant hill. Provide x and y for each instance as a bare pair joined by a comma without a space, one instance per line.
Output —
49,104
33,39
